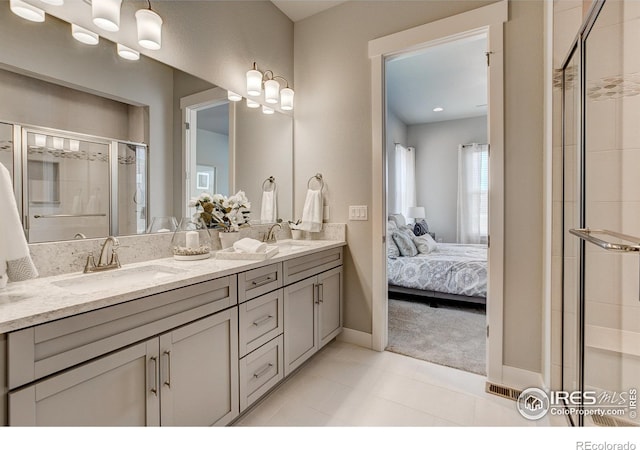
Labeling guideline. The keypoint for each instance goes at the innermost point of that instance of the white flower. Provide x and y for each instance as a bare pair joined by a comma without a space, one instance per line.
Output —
217,198
204,197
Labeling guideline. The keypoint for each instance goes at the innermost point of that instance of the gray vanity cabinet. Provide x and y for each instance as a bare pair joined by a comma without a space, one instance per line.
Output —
312,306
115,390
199,372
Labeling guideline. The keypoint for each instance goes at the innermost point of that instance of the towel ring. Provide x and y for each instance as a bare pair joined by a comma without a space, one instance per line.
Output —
270,180
318,177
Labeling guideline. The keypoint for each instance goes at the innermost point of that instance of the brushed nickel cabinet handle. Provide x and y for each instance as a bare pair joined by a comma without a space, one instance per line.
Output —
153,374
316,293
262,371
266,280
321,292
167,382
262,320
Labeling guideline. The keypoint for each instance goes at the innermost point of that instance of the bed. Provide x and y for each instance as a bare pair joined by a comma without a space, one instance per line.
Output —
451,272
441,271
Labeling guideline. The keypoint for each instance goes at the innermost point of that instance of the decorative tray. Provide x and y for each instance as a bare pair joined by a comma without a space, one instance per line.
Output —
230,253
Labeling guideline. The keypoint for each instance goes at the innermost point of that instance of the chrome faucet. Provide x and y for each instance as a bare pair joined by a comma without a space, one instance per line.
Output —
111,243
271,235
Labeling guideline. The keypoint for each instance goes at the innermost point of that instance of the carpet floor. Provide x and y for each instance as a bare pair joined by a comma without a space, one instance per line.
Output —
449,335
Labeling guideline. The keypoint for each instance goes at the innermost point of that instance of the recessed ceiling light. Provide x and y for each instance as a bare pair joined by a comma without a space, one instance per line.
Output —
438,109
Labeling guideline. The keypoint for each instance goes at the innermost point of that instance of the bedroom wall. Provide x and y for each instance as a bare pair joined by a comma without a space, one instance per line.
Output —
396,132
333,136
437,168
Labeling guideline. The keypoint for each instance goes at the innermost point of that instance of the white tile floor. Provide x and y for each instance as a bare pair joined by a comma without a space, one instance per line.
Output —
347,385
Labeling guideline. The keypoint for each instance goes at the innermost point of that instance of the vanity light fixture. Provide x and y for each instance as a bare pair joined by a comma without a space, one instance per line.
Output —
26,11
53,2
233,97
83,35
254,81
438,109
128,53
252,104
149,24
106,14
267,110
272,91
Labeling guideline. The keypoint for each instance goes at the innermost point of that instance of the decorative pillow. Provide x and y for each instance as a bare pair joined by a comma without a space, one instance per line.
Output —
399,219
392,248
405,243
425,243
421,228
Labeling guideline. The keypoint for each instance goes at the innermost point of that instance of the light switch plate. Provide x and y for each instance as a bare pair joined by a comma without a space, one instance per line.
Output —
359,212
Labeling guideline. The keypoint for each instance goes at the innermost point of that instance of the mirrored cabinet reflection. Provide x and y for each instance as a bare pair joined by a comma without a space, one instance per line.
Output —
69,185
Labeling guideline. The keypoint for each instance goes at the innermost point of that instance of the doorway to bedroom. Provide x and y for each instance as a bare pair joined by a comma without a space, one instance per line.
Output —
437,199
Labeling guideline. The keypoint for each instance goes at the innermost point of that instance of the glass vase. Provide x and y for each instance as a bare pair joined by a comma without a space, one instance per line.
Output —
227,238
191,240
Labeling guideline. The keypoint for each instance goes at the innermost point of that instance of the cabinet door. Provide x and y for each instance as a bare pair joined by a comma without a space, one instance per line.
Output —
330,305
300,336
199,372
116,390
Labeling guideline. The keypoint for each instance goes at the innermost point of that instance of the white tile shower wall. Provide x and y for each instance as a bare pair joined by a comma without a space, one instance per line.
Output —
55,258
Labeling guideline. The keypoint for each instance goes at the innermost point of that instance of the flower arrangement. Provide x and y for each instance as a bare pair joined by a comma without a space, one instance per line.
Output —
218,211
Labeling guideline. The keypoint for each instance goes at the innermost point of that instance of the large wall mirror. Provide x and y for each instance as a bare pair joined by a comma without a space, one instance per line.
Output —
50,82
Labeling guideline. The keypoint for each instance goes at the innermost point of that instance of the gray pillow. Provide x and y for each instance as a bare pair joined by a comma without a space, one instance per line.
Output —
392,248
425,243
405,243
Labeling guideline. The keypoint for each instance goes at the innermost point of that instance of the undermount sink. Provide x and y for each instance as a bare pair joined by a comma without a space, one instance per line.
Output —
291,245
85,283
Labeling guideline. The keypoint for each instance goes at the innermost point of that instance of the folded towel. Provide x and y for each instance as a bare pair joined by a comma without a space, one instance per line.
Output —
248,245
312,212
269,211
15,261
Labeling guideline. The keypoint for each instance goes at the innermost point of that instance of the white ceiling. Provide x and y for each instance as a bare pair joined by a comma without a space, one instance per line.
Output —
451,75
301,9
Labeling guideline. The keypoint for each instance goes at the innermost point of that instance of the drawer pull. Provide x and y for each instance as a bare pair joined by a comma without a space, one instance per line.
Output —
262,320
321,293
265,280
262,371
167,382
153,374
316,294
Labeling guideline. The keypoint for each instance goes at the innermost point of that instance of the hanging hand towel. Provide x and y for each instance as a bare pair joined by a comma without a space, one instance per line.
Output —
269,211
15,261
312,212
248,245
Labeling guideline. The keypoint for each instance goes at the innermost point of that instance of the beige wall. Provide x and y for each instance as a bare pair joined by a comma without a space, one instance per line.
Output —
333,136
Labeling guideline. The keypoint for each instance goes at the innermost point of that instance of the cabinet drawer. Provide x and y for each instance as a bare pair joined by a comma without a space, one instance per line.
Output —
254,283
261,319
298,269
42,350
260,370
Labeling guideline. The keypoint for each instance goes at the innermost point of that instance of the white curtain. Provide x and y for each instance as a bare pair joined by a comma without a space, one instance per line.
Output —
405,179
473,193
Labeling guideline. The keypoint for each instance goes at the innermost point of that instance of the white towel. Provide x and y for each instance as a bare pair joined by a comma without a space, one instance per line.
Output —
269,211
312,212
248,245
15,261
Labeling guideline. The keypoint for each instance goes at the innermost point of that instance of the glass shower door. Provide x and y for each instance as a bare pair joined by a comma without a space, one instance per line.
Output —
132,182
611,151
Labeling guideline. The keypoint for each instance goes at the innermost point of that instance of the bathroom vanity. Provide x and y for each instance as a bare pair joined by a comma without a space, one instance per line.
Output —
165,342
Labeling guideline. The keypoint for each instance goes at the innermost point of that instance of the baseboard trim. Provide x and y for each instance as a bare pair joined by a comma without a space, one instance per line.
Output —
356,337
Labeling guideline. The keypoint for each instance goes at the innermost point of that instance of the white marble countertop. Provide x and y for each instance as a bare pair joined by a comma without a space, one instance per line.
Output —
37,301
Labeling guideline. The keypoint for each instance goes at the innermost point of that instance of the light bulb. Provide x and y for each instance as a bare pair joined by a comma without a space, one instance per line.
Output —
286,99
271,91
106,14
128,53
83,35
26,11
254,82
233,97
267,110
149,25
252,104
